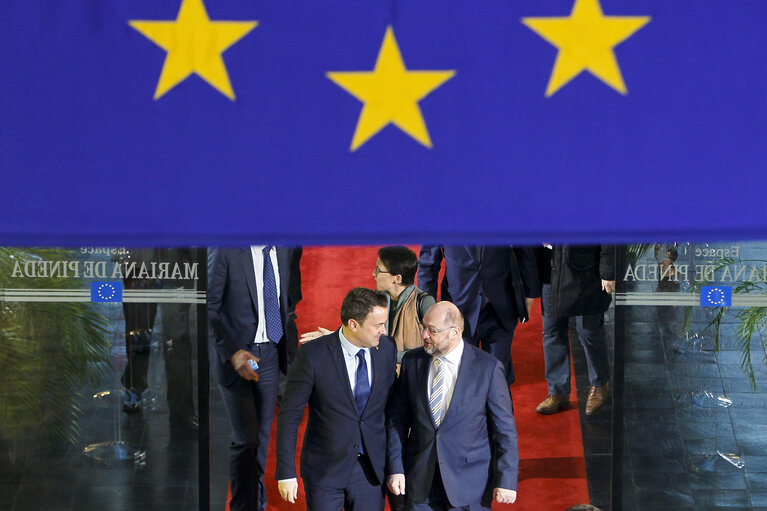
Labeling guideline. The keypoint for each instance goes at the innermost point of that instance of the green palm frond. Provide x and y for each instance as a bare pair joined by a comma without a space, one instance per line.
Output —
49,352
751,320
635,251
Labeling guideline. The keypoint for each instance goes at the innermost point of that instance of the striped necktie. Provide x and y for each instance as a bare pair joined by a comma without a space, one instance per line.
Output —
437,399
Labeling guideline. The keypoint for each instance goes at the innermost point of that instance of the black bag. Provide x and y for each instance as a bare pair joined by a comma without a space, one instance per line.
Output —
519,289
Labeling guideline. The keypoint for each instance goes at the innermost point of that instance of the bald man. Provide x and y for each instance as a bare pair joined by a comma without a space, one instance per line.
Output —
454,401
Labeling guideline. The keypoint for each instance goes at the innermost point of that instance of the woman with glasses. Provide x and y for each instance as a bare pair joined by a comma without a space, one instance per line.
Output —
394,275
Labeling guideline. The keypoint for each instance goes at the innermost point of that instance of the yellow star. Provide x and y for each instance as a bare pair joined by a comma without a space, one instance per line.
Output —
390,94
194,45
586,40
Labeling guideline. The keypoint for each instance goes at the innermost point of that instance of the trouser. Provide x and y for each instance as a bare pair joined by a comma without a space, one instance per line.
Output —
493,337
139,322
250,407
556,348
363,492
177,353
437,499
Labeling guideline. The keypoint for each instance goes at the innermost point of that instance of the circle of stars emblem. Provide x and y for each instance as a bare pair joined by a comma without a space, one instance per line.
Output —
105,288
715,296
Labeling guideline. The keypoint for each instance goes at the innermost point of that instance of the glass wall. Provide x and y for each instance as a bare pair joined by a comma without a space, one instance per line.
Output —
106,400
690,358
100,354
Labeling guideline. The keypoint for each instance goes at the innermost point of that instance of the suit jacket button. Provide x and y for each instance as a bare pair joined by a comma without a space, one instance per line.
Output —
362,422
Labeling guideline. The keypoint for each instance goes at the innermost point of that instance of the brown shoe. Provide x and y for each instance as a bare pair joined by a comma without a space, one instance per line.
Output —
597,398
553,404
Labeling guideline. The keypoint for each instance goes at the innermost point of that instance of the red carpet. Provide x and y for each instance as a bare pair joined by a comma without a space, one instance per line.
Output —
552,469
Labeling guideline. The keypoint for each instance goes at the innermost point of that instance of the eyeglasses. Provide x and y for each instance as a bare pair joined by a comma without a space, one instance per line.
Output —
379,270
434,331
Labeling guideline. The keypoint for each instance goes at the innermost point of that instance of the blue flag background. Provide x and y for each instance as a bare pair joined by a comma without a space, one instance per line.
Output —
89,155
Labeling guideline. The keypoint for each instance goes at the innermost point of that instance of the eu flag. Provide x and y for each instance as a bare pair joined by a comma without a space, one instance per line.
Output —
206,122
106,291
716,296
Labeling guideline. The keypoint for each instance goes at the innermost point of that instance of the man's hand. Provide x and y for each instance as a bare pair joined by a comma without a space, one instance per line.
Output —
288,490
396,484
504,496
240,363
310,336
529,302
608,286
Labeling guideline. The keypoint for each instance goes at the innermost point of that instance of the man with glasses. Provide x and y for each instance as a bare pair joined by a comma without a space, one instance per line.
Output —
451,413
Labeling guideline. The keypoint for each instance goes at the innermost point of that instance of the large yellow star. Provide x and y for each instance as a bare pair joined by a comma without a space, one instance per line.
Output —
586,40
390,94
194,45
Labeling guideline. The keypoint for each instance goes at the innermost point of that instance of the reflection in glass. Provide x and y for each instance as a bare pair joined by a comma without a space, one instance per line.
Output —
67,440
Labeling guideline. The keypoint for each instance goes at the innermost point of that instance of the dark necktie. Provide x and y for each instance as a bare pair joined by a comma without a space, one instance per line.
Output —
362,387
271,301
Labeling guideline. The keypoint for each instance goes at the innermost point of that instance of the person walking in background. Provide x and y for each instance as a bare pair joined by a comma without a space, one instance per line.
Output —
249,306
577,281
345,377
139,324
481,285
455,443
177,344
394,275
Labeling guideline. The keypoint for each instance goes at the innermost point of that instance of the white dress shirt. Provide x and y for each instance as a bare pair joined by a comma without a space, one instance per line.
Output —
350,358
450,365
257,251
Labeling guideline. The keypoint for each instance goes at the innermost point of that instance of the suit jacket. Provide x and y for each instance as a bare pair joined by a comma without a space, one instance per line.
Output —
335,428
476,271
575,273
478,419
233,305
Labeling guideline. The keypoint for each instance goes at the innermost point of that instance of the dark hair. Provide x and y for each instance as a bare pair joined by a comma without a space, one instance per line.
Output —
400,260
583,507
359,302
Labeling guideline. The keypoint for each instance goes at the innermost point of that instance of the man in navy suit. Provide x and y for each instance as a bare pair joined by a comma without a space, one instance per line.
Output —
480,285
346,378
455,443
251,302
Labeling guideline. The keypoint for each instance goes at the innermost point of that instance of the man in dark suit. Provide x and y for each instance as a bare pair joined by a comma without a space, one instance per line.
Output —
250,306
455,440
346,378
480,285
